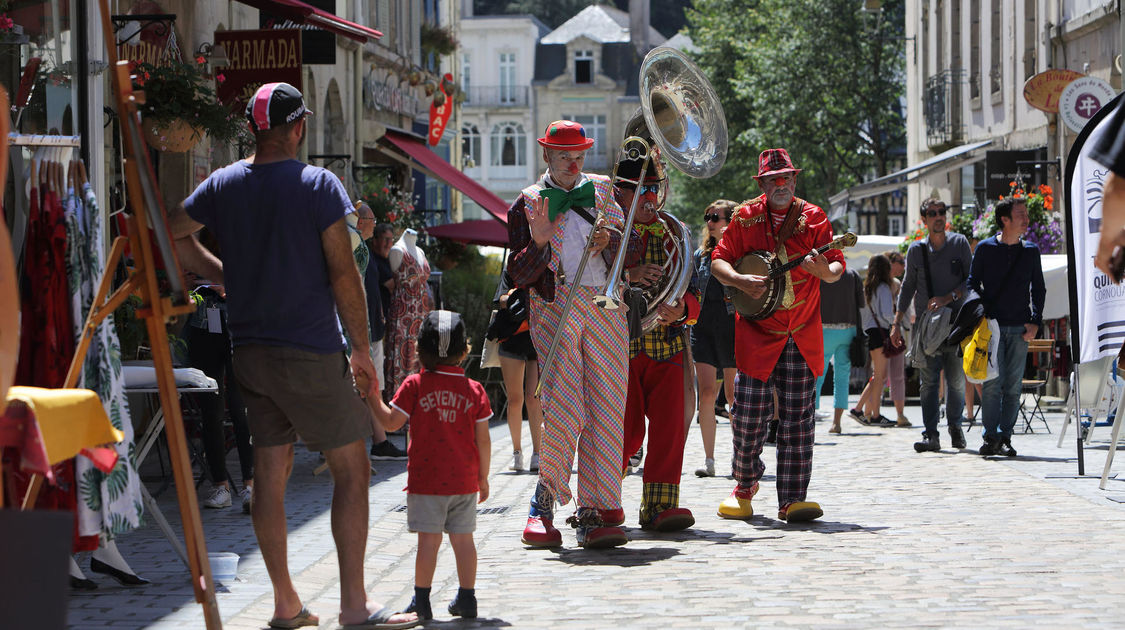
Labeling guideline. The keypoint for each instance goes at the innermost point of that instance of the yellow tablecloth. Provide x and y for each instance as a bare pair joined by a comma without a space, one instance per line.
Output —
69,420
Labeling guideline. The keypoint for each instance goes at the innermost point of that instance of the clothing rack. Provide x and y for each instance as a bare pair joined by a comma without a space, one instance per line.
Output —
41,140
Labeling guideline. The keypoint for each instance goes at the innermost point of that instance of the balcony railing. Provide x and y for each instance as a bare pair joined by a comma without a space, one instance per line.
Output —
497,96
941,107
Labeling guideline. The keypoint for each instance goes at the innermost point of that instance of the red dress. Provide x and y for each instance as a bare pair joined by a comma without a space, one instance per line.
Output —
410,302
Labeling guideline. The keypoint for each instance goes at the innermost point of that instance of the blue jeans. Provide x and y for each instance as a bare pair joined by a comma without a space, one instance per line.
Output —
1000,402
930,376
836,343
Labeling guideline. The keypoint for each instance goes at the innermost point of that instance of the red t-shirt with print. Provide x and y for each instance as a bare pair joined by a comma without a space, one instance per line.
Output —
443,406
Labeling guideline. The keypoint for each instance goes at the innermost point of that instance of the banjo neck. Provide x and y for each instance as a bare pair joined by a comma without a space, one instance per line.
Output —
836,243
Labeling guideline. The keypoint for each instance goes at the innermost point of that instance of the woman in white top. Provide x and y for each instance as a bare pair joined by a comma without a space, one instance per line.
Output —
877,314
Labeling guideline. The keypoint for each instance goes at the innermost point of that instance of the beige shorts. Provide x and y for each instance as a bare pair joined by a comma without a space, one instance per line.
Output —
437,513
290,393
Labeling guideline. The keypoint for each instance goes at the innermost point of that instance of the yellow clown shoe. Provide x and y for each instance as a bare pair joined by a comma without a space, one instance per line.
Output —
800,511
737,505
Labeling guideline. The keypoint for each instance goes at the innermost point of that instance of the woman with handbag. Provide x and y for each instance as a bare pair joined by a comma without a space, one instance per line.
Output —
896,365
878,313
712,337
520,366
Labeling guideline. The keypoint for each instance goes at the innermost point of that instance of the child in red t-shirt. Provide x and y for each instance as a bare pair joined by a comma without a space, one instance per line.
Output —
447,460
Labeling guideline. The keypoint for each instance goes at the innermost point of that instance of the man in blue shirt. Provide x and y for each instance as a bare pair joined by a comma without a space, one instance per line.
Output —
1008,274
290,278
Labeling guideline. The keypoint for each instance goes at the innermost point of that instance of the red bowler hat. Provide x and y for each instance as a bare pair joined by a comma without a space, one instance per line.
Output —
775,162
565,134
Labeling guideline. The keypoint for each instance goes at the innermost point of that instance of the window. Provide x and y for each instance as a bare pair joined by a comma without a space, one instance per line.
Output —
1030,62
895,225
995,74
974,49
584,66
508,147
470,145
595,128
507,78
466,66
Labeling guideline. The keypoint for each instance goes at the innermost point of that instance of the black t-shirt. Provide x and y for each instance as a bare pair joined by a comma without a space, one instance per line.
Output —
1110,147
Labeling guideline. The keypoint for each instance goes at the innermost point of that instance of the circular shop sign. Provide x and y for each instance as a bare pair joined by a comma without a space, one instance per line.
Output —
1082,99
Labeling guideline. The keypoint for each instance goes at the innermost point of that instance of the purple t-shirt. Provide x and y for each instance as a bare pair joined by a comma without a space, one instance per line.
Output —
268,219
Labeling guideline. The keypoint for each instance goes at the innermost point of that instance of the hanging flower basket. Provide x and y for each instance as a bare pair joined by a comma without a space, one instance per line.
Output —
171,136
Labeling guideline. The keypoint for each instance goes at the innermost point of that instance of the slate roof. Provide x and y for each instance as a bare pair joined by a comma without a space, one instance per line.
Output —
600,23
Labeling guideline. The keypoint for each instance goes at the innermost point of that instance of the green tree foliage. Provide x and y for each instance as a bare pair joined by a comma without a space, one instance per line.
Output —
818,77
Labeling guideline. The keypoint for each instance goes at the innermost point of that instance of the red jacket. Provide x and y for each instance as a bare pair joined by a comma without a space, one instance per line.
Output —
758,344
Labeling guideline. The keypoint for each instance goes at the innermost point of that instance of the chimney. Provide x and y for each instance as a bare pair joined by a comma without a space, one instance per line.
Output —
638,26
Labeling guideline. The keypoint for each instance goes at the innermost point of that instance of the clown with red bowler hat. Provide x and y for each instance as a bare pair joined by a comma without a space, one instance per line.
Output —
583,393
782,352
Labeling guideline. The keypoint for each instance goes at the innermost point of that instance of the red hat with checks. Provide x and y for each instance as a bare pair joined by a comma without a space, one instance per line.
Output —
775,162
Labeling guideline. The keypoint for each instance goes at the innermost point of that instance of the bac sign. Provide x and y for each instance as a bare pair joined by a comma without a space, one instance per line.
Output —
256,58
439,114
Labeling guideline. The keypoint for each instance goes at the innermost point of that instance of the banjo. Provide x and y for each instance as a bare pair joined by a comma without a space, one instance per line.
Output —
765,263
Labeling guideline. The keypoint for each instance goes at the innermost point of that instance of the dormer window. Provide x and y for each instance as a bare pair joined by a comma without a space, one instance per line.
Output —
584,66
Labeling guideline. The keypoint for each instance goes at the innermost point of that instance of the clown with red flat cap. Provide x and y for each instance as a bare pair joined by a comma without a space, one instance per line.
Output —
583,393
782,352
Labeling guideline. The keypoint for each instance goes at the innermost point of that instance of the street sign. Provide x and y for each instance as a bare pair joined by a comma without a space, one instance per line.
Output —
1043,90
1081,99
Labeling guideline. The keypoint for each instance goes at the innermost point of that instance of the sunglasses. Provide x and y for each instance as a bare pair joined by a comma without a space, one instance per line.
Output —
934,213
713,218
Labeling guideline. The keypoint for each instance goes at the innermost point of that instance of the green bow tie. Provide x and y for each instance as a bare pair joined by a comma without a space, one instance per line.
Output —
559,201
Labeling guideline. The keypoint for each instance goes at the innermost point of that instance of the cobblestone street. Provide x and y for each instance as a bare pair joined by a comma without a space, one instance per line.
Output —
907,540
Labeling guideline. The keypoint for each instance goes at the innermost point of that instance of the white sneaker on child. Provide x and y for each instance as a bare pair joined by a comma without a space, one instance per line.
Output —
246,494
533,466
708,469
517,461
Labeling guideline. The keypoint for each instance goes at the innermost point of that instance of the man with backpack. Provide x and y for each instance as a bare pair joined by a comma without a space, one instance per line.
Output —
936,270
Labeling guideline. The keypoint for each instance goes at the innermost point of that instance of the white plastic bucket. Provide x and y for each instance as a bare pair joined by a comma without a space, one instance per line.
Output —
224,566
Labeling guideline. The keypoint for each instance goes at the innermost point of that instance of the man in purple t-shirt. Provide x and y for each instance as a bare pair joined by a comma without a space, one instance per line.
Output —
290,278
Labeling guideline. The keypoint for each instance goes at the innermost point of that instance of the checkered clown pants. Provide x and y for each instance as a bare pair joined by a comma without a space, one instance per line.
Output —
752,411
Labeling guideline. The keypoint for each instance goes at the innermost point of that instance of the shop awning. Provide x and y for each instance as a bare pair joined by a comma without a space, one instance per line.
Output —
303,13
954,158
434,166
475,232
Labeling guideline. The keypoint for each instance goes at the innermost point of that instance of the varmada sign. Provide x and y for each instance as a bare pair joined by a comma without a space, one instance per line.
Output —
256,58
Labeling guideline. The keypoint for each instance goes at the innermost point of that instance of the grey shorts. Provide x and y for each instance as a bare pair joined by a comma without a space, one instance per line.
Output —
437,513
290,393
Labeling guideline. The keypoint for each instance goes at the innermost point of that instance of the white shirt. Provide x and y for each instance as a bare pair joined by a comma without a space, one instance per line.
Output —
576,233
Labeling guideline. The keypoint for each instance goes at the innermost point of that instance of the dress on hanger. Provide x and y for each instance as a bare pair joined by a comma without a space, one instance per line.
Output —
109,503
410,302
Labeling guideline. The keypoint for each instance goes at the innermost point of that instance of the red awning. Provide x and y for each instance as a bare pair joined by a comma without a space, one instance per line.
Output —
307,14
476,232
432,164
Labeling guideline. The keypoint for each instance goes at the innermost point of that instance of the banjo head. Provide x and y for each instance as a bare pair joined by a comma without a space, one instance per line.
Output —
759,264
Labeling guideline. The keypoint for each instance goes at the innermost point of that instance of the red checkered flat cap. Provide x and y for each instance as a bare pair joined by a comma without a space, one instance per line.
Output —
775,162
564,135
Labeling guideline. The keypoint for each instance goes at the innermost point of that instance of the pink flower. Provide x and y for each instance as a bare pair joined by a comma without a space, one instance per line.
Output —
201,60
220,77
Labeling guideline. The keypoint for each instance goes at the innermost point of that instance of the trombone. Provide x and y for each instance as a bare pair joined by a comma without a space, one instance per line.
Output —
680,118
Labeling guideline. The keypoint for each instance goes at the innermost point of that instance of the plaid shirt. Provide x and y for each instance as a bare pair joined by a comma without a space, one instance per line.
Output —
527,263
664,342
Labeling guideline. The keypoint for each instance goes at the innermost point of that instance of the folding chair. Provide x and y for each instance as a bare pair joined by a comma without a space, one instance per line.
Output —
1042,353
1094,379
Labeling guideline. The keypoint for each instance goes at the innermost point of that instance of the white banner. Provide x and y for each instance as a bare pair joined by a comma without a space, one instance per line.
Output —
1097,305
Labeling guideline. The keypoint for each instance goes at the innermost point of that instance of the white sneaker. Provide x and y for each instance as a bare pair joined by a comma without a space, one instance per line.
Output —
218,499
246,494
708,469
517,461
533,466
